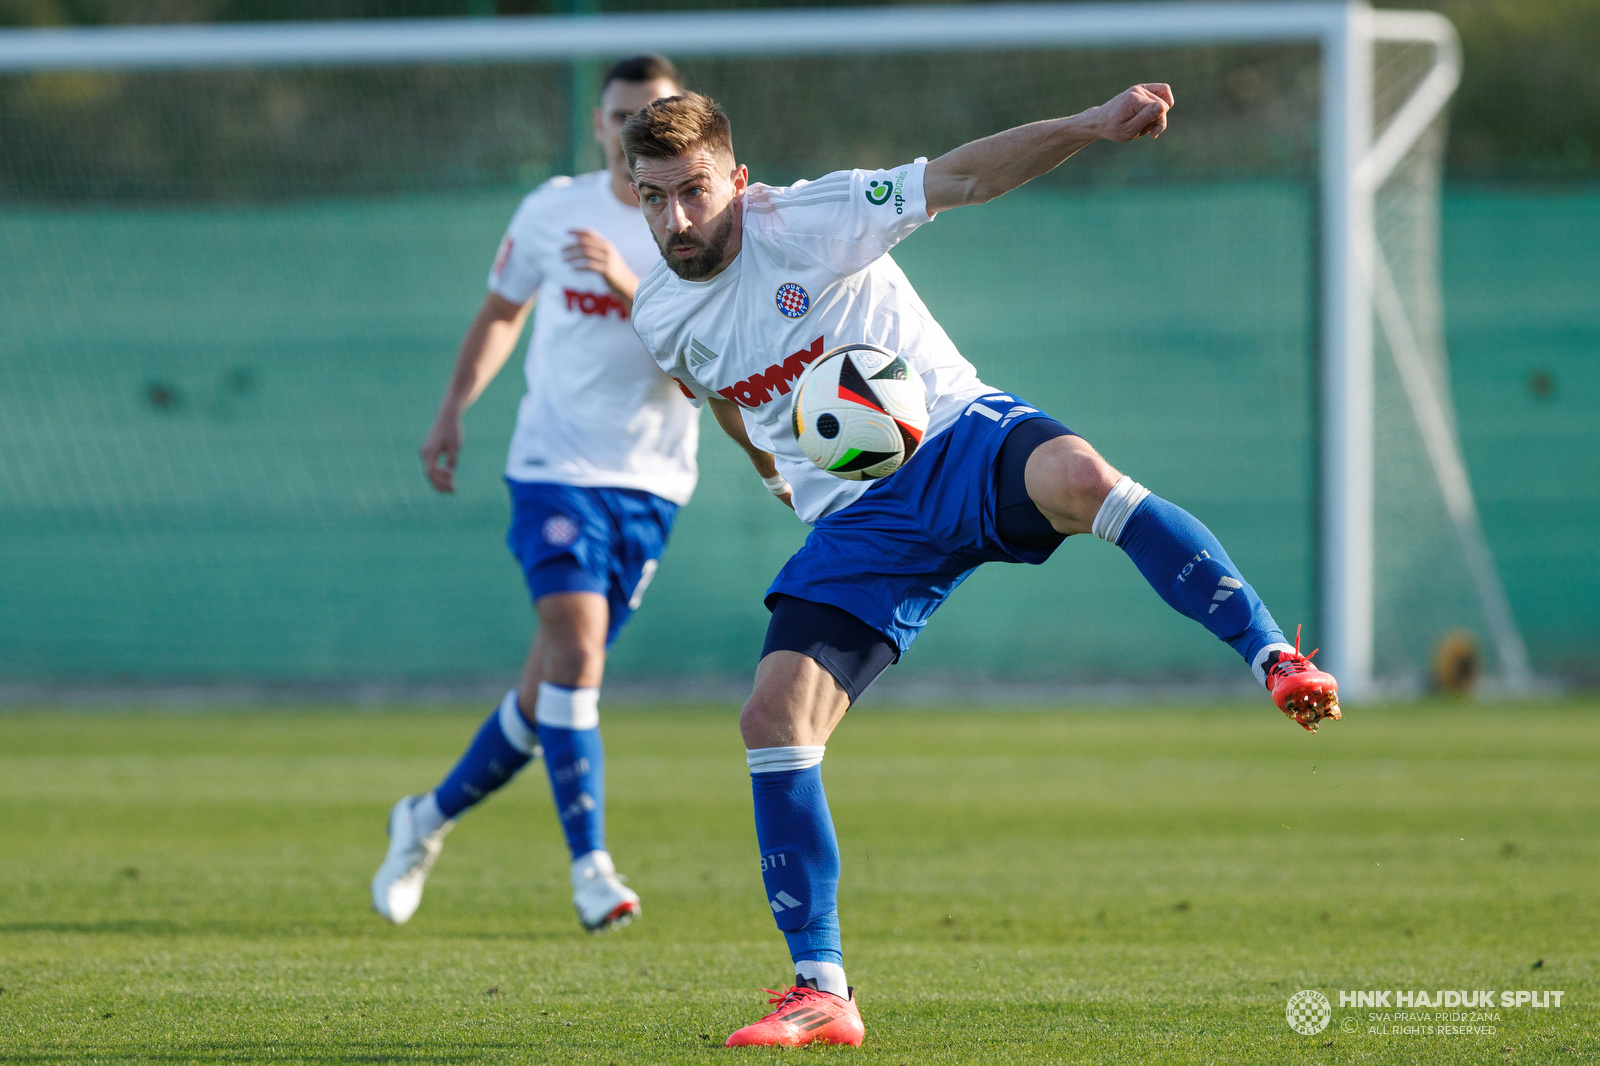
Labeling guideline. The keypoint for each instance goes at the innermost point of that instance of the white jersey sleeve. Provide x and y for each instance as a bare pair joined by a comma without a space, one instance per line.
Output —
516,274
847,220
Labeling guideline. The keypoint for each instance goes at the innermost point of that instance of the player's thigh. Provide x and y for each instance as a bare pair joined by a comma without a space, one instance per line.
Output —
569,647
796,701
1068,481
573,620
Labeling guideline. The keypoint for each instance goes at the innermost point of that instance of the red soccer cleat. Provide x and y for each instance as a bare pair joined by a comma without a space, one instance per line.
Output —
1300,690
804,1015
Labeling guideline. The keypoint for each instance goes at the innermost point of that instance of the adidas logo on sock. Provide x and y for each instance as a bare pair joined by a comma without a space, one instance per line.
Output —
578,807
1225,588
782,902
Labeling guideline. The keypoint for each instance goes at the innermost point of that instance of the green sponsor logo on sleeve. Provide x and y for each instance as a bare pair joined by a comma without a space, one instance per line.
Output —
878,192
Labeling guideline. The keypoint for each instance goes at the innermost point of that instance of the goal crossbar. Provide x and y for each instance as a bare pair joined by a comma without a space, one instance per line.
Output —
690,33
1355,161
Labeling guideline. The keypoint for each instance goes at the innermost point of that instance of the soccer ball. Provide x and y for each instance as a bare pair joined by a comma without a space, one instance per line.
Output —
859,412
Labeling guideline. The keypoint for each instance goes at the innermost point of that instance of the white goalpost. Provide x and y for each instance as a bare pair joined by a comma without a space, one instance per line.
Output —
1362,308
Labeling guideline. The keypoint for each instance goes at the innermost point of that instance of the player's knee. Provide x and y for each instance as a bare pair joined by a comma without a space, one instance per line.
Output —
575,660
581,655
770,718
756,720
1068,480
1087,475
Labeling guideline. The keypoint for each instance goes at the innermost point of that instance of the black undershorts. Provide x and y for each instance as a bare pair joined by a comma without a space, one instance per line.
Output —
845,646
1018,520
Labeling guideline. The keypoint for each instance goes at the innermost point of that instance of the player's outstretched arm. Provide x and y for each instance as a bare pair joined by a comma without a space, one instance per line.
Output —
980,170
732,423
484,350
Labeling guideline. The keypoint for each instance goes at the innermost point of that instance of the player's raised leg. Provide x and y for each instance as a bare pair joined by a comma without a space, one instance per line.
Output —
1079,492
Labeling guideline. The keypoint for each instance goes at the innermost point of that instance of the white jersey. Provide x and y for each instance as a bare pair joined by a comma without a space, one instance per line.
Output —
813,272
598,413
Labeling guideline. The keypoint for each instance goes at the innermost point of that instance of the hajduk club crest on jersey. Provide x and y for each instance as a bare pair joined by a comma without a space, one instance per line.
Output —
793,301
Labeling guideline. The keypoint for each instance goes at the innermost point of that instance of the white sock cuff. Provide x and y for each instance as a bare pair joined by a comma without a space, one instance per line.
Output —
596,863
1119,505
1259,665
829,976
567,708
427,819
515,727
776,760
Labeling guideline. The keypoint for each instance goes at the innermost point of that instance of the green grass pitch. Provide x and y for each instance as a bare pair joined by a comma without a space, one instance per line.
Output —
1099,887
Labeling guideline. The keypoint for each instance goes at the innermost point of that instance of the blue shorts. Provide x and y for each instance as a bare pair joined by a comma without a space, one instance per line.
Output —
893,556
571,539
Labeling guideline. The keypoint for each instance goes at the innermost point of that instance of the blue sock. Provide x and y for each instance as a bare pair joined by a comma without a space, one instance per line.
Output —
1187,567
568,720
503,745
799,853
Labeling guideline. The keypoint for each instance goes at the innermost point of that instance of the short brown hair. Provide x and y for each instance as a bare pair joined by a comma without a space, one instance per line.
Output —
675,125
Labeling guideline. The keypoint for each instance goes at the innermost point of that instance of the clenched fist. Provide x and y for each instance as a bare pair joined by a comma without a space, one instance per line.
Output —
1138,111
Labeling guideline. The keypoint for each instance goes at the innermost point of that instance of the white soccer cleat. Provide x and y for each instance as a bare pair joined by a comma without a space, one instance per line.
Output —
397,886
602,900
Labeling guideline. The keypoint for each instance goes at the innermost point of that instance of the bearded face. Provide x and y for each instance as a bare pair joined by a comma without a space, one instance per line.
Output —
693,204
694,255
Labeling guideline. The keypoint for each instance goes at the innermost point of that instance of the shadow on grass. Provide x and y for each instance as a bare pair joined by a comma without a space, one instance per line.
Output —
344,930
276,1051
126,926
166,927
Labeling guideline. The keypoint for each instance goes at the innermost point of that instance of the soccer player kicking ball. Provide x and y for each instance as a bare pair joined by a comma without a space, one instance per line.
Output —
757,283
602,458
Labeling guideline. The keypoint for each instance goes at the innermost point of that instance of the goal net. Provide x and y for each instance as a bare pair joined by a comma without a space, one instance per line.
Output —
235,265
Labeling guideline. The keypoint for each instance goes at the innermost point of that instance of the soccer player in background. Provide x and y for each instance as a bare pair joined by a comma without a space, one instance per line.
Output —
602,457
757,283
